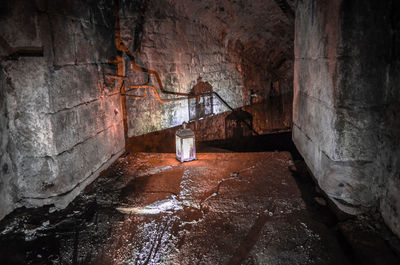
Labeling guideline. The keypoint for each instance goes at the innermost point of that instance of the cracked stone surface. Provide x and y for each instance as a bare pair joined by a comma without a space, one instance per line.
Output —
346,96
60,124
224,208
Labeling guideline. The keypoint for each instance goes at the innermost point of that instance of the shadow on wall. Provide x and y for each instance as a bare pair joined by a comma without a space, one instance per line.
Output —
181,49
236,124
202,104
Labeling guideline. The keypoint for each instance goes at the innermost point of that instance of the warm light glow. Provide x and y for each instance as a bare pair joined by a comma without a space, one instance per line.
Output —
187,148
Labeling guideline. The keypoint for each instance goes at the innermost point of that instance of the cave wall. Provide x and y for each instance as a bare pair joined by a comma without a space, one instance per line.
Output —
346,102
62,115
60,123
239,48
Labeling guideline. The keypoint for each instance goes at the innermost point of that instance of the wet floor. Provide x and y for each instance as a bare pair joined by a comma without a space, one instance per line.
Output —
224,208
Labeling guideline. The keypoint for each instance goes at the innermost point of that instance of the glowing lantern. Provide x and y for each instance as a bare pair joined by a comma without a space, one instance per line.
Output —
185,144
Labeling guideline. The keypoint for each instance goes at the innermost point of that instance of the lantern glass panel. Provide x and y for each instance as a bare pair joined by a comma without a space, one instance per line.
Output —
178,143
187,148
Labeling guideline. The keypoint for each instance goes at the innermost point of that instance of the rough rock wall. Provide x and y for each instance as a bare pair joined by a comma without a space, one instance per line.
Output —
60,125
239,48
7,187
315,74
390,204
346,98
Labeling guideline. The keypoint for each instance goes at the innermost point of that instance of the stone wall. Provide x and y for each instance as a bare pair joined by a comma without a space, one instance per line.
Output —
62,115
240,49
346,101
390,204
60,124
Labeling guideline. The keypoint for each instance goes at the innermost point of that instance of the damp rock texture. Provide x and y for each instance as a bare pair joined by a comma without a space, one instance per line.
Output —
346,102
60,124
62,65
244,50
224,208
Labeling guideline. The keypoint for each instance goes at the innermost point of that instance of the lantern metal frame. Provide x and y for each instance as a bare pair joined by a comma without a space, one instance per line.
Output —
185,144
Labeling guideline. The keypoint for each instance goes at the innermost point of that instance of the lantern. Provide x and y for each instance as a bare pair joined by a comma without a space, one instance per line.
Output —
185,144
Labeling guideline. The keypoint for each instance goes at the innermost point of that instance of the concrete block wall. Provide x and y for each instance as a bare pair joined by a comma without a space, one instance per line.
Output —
345,100
390,202
181,51
60,124
238,50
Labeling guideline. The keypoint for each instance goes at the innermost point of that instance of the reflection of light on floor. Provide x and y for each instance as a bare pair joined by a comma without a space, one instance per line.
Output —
157,244
169,205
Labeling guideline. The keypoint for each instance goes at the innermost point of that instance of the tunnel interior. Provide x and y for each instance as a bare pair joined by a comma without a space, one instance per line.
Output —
303,94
